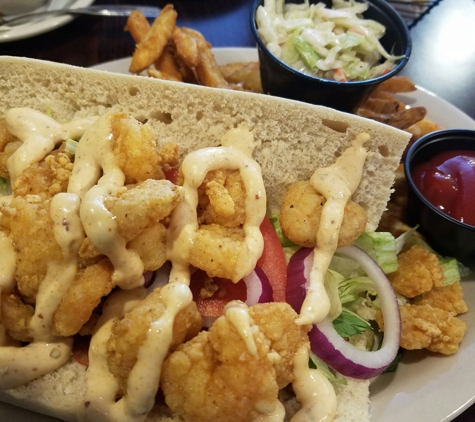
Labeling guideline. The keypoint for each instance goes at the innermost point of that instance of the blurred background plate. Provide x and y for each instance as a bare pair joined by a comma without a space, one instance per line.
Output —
47,24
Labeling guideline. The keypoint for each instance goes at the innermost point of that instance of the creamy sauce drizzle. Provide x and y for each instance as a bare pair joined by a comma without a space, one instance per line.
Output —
96,174
237,313
102,385
314,392
277,415
39,135
336,183
69,235
233,155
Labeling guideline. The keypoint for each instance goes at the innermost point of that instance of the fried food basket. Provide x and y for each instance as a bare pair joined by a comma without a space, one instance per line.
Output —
413,11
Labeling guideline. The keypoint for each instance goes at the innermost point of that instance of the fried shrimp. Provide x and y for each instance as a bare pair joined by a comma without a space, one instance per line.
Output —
419,271
45,178
216,249
222,199
140,206
29,223
300,216
424,326
90,285
215,376
449,298
136,151
16,316
130,332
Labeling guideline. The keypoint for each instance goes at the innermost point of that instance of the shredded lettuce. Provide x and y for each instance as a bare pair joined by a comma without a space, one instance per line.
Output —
381,246
350,290
71,146
316,363
4,187
332,282
284,240
349,324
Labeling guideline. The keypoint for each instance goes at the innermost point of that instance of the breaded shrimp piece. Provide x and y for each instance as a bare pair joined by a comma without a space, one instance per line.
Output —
419,270
5,154
449,298
215,250
6,142
142,205
31,229
45,178
424,326
130,332
89,287
300,215
222,199
150,245
136,151
15,316
277,322
214,377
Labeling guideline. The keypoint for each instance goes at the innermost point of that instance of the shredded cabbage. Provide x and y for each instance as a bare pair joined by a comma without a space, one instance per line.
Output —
335,43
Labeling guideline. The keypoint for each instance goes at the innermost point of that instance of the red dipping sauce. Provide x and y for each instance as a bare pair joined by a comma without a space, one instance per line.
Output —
447,181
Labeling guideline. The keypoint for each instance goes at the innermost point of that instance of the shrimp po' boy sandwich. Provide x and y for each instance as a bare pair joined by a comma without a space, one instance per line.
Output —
173,252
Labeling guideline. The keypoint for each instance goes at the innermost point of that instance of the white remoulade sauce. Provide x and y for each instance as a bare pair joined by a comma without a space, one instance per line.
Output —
337,183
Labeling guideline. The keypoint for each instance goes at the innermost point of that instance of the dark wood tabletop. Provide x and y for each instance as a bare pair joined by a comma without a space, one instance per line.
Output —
442,60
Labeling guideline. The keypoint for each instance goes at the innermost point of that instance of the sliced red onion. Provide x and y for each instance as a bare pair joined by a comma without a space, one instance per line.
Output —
147,277
259,289
298,274
325,342
158,278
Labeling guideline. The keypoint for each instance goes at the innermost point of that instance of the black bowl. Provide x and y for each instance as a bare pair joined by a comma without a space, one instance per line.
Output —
447,235
281,80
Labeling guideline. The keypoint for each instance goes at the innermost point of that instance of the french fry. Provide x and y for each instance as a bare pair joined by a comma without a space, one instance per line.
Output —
150,48
422,127
400,120
246,75
159,74
207,71
383,105
166,65
396,84
137,25
186,47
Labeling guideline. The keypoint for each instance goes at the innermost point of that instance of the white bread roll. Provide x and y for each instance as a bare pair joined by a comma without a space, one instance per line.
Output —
60,395
293,140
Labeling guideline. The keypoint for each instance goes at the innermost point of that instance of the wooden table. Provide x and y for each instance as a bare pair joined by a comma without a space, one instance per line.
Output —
443,58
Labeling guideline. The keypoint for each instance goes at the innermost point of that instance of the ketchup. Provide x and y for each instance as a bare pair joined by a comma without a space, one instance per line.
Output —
447,181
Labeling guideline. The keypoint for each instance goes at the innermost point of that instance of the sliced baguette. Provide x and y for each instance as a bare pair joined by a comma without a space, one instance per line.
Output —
60,395
293,140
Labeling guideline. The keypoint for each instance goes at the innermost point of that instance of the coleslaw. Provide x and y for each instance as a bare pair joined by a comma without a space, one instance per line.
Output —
337,43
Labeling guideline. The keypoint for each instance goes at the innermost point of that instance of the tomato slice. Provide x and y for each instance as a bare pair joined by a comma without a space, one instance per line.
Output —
172,175
226,291
273,261
81,349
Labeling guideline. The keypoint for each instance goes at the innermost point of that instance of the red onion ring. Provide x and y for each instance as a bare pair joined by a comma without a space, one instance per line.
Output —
325,342
258,287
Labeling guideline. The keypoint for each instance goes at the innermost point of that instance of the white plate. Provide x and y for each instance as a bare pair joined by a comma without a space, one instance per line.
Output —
48,24
426,387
